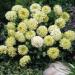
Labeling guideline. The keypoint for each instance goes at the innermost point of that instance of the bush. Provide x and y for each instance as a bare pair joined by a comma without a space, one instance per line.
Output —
37,35
33,54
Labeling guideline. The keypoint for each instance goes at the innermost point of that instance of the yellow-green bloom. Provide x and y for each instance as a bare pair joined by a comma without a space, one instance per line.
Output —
23,13
30,34
26,22
3,49
11,15
22,27
17,8
42,31
48,40
22,49
60,22
24,60
46,19
10,41
20,36
53,52
57,9
11,51
70,35
11,26
32,24
11,32
46,9
35,7
65,43
39,16
65,16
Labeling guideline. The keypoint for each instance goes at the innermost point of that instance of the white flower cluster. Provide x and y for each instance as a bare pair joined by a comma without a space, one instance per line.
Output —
32,28
37,41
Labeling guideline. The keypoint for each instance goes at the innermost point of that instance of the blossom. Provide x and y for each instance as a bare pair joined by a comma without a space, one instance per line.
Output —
11,26
48,40
22,49
20,36
46,9
22,27
46,18
26,22
23,13
60,22
10,41
57,9
11,15
24,60
3,49
53,52
11,51
70,35
37,41
52,27
30,34
56,34
39,16
35,7
11,32
65,16
65,43
32,24
17,8
42,31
